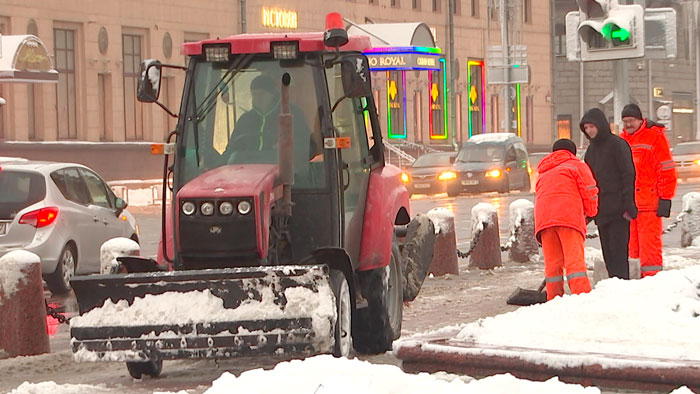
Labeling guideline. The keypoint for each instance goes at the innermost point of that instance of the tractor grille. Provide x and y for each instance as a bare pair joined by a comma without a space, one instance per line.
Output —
217,236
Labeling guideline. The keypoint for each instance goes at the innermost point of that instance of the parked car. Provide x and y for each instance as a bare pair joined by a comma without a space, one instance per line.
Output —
687,158
63,213
490,162
429,173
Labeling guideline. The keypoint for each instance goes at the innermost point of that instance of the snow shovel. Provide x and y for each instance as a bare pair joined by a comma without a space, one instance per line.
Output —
524,297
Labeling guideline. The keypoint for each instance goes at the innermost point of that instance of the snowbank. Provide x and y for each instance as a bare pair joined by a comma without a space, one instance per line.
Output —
53,388
443,219
481,214
619,324
113,248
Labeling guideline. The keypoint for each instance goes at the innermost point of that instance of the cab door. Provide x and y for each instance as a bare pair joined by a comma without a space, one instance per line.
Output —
355,163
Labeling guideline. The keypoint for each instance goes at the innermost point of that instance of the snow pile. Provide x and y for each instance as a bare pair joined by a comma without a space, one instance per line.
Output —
443,219
53,388
618,324
11,273
326,374
116,247
481,214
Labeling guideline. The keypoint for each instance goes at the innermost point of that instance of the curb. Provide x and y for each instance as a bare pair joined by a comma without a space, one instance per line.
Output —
476,361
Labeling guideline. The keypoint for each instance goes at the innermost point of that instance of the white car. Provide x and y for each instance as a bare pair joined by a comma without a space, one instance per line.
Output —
63,212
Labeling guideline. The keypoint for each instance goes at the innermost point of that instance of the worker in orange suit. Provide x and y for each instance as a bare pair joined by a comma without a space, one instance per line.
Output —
654,187
566,195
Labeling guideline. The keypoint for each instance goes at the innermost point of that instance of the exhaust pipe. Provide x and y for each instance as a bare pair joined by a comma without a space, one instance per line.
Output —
286,149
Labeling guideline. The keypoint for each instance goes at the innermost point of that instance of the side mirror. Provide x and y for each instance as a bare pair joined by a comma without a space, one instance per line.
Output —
149,84
356,78
120,205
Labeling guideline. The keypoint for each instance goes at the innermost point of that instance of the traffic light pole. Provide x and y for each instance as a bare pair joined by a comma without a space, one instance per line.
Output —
621,91
506,63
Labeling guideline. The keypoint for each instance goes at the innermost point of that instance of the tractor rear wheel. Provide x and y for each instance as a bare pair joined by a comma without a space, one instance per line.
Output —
378,324
139,368
343,324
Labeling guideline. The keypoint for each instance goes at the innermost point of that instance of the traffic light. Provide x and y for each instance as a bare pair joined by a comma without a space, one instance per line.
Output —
606,30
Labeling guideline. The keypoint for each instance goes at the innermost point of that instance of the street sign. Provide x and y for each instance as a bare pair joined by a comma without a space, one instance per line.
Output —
516,74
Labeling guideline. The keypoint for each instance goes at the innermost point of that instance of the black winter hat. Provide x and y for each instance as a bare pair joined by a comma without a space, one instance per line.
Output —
564,144
632,110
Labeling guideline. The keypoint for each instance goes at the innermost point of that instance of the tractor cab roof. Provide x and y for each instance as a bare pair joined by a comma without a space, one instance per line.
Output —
260,43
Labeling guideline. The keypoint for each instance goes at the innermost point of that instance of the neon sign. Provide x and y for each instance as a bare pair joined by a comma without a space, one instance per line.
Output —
279,18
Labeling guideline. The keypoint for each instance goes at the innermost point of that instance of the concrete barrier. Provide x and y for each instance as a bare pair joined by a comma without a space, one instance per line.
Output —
487,252
116,247
690,227
22,305
522,225
445,252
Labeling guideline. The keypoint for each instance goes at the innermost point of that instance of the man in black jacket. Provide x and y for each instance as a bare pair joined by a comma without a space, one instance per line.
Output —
610,159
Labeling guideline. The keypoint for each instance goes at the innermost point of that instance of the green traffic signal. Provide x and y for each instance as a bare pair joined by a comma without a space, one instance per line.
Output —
616,34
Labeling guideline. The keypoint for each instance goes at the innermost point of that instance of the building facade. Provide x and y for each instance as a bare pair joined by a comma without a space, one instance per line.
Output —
653,84
97,51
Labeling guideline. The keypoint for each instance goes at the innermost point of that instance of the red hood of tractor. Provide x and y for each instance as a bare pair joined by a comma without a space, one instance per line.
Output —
235,180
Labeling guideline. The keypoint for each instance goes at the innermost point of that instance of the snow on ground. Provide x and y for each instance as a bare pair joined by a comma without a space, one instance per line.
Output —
654,318
326,374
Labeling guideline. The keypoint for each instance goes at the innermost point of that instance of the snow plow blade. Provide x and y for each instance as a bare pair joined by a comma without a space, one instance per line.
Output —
221,313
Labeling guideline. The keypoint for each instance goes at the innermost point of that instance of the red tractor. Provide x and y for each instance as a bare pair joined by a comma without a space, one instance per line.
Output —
281,201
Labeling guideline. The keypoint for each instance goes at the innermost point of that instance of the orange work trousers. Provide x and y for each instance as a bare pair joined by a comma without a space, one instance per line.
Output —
645,242
563,252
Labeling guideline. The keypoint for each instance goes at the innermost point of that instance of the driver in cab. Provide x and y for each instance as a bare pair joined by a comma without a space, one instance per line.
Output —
256,131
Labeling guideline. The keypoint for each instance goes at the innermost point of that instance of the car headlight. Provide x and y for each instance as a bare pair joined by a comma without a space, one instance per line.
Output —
405,178
493,173
697,162
188,208
207,208
226,208
447,175
244,207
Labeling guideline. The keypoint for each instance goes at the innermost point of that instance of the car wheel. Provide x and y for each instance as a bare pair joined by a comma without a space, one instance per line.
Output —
59,281
139,368
342,332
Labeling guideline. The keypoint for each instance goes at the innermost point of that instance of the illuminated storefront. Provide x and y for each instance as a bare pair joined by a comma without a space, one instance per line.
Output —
408,73
476,94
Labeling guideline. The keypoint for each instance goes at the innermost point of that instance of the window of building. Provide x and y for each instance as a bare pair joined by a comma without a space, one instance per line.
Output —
436,6
64,46
415,4
475,8
395,3
527,11
559,39
33,95
133,110
493,13
458,7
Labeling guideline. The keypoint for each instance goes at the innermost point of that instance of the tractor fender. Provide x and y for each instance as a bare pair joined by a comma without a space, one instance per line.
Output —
387,204
337,258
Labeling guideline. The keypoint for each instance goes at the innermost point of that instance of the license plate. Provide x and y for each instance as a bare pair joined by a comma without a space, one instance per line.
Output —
421,185
3,228
470,182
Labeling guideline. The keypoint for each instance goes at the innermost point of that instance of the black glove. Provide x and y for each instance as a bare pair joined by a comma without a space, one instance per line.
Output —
664,209
588,219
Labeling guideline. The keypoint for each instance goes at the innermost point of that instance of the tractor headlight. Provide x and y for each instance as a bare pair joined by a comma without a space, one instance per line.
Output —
493,173
207,208
405,178
188,208
226,208
244,207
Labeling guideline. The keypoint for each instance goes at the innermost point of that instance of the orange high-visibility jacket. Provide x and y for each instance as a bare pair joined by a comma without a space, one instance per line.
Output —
565,193
656,171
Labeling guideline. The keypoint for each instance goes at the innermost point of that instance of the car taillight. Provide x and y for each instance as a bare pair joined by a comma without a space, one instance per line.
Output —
40,218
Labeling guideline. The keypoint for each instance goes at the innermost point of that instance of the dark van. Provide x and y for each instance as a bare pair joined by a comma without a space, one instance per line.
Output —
491,162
